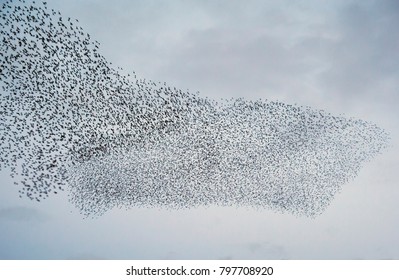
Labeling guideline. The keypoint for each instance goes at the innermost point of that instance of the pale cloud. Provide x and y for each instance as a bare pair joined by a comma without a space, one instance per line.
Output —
22,214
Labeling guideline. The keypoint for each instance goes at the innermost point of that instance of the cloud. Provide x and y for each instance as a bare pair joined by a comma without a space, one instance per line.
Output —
363,60
21,214
85,256
267,250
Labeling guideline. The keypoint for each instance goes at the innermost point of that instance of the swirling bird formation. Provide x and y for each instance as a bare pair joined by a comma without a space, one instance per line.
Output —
69,120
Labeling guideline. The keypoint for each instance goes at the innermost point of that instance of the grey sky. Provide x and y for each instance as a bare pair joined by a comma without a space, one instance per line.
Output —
340,56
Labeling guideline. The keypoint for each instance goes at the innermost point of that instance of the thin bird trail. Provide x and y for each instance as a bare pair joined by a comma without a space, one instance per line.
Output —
71,121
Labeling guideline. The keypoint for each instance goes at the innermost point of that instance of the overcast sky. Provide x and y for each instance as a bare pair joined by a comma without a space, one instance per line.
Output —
340,56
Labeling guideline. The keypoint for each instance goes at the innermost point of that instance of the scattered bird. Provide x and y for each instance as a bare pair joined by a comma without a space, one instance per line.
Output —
71,121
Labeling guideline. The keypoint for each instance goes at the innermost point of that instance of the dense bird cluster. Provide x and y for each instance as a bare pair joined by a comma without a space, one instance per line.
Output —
69,120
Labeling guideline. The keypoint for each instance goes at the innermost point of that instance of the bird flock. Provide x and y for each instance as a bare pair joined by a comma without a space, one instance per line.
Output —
71,121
